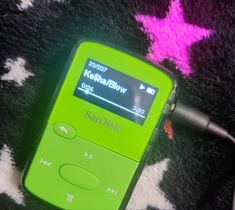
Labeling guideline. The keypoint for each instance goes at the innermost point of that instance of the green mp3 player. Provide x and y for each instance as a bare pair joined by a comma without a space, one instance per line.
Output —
99,129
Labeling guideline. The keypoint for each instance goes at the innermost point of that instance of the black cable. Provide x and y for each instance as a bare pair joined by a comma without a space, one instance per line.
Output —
201,122
231,138
198,120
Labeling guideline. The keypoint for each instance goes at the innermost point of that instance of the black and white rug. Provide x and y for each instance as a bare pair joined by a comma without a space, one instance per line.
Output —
194,39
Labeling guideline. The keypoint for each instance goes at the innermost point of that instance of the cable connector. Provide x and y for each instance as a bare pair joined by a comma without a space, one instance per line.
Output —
198,120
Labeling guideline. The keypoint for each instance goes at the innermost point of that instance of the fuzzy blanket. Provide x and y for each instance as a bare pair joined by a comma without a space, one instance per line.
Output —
194,39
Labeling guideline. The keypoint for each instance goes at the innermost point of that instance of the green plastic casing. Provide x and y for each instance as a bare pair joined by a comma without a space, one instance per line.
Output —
95,167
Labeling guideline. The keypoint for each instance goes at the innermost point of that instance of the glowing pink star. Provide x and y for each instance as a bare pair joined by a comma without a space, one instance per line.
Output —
171,37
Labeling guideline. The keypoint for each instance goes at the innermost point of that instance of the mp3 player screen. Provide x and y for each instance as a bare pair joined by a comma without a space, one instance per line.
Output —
115,91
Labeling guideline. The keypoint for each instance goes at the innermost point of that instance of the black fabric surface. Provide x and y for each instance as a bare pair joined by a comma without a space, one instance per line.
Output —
201,174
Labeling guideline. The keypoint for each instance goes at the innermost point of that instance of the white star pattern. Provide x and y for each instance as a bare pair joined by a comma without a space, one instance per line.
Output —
17,71
9,176
147,191
25,4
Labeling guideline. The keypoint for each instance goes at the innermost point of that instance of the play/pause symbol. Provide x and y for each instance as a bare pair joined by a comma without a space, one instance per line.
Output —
69,197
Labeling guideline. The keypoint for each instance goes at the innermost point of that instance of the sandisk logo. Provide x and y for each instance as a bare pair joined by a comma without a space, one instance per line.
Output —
103,121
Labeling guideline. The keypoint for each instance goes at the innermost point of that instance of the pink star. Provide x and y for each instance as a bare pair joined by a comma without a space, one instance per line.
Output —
171,37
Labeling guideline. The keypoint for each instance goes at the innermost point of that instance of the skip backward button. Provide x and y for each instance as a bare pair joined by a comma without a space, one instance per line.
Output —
45,163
